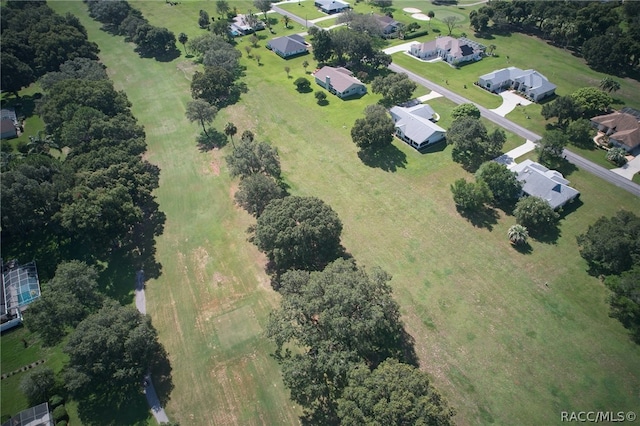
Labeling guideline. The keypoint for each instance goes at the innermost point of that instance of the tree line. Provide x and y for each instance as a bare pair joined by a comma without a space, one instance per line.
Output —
80,202
607,34
35,41
120,18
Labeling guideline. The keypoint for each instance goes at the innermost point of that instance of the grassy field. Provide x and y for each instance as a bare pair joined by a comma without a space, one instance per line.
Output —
509,338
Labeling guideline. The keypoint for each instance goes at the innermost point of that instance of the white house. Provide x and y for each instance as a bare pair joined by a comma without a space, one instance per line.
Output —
547,184
332,6
340,82
450,49
414,125
528,82
288,45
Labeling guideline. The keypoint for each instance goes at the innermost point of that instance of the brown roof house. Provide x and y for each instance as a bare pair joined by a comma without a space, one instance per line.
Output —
622,127
340,82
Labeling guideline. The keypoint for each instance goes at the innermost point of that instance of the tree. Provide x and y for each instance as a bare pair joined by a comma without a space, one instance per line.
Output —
38,385
335,319
248,50
502,182
592,101
465,110
611,245
491,48
247,135
395,88
201,111
321,97
392,394
566,108
41,144
66,300
15,74
518,234
625,300
256,191
302,84
286,20
375,130
322,46
617,156
479,21
470,196
472,145
254,40
215,85
109,353
580,132
154,41
451,22
551,147
263,6
257,57
183,39
382,3
305,64
431,15
609,84
225,56
75,69
287,70
222,8
221,28
298,233
230,130
203,19
535,214
250,157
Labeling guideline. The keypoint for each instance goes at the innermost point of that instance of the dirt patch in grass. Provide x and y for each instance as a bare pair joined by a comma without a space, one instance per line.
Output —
200,258
188,68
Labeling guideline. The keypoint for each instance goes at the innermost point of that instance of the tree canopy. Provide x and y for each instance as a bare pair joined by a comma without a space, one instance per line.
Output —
392,394
551,147
592,101
565,108
625,300
375,130
465,110
535,214
395,88
471,196
298,233
252,157
215,85
502,183
612,245
256,191
472,144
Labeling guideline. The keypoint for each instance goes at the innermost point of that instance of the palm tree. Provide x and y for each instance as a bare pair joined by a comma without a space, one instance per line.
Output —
609,84
491,48
518,234
286,21
305,64
230,129
431,15
183,39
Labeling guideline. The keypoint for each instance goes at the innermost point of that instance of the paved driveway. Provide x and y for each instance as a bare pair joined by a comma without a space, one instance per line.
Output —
509,102
404,47
629,169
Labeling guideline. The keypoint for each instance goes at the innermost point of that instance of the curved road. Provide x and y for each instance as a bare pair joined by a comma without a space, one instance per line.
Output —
509,125
149,390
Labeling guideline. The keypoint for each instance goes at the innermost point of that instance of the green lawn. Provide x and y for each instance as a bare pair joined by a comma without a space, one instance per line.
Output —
509,338
304,9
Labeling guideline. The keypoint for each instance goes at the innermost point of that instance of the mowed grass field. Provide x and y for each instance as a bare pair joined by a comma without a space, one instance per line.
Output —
509,338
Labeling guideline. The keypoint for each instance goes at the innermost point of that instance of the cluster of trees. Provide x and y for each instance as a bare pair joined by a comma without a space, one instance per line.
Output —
495,184
344,46
35,40
472,143
611,246
375,131
120,18
395,88
606,33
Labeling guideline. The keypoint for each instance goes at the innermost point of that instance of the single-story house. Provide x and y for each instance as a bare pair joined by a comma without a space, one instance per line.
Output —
240,26
20,287
622,127
8,129
9,113
414,125
288,45
450,49
550,185
339,81
332,6
528,82
387,24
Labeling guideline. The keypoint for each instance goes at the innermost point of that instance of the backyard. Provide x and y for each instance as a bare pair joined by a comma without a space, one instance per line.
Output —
508,337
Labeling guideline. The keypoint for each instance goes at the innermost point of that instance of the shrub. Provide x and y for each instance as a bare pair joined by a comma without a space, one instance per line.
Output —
55,401
617,156
60,413
62,423
414,35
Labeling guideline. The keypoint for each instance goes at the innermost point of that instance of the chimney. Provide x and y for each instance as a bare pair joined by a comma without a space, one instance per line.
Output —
327,81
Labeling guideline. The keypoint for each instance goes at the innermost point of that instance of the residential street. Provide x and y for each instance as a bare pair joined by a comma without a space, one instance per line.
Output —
581,162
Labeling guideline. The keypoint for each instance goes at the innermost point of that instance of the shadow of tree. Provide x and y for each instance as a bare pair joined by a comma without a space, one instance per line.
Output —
548,235
436,147
161,374
389,158
523,248
214,139
110,410
483,218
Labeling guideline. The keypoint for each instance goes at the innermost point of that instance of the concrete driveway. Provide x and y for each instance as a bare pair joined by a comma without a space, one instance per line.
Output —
404,47
629,169
509,101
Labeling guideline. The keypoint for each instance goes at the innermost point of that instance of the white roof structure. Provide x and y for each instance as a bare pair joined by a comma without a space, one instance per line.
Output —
34,416
414,122
341,78
547,184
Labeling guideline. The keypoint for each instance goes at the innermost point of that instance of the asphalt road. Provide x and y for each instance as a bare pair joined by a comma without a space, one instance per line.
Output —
509,125
293,17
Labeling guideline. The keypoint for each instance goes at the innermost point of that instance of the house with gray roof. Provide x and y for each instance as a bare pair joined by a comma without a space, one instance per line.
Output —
332,6
243,25
539,181
288,46
622,127
387,24
8,130
452,50
529,82
415,126
339,81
